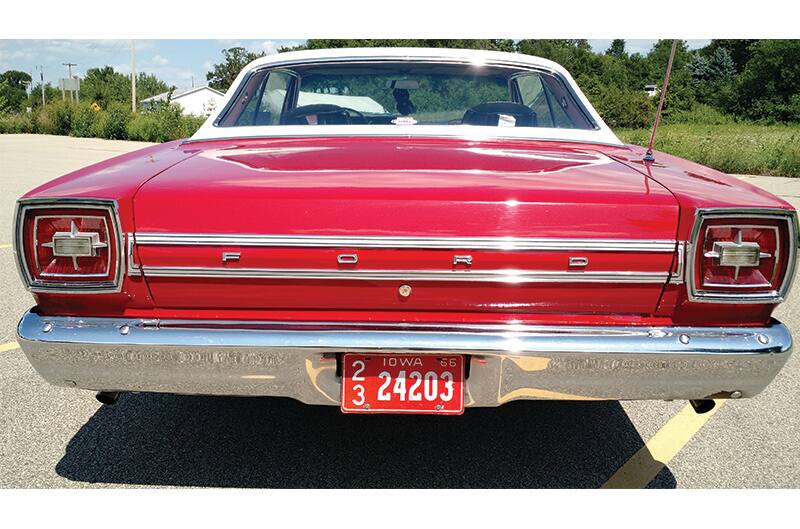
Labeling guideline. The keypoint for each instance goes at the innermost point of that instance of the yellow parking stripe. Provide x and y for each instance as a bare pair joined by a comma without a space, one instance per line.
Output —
10,346
4,246
645,464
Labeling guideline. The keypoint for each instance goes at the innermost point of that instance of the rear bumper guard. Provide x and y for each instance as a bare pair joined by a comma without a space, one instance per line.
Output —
298,360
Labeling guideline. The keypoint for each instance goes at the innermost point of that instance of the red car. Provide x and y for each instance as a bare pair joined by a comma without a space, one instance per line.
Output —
406,231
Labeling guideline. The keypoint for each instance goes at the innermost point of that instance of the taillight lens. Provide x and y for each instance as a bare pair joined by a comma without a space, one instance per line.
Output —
69,246
742,258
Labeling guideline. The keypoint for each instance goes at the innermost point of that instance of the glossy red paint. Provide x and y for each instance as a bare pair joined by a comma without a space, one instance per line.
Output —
383,295
696,186
405,186
118,179
413,187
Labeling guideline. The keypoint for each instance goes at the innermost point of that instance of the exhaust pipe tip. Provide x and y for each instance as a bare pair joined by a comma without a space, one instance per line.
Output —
108,398
703,405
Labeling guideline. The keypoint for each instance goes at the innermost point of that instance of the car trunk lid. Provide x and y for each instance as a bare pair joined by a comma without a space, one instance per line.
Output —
405,224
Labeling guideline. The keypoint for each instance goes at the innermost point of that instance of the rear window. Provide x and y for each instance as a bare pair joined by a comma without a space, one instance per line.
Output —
404,94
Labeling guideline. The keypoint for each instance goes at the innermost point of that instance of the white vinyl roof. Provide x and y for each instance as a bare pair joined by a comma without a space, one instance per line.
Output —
602,134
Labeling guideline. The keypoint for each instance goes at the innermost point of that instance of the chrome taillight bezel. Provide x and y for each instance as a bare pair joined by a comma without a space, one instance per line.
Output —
24,206
787,217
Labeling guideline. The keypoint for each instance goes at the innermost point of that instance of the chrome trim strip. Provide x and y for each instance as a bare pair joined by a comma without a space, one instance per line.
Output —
63,287
133,268
339,336
455,132
395,242
677,277
492,276
774,296
296,359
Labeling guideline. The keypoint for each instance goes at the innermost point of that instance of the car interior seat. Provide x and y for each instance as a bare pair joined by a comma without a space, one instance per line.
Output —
488,114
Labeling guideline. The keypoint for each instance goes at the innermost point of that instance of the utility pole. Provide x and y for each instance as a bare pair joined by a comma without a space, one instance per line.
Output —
133,75
64,85
41,77
69,66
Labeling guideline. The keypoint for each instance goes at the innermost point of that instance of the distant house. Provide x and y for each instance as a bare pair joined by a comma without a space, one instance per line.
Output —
198,101
651,89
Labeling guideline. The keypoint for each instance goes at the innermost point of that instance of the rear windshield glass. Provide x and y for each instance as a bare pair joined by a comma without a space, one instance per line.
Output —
404,94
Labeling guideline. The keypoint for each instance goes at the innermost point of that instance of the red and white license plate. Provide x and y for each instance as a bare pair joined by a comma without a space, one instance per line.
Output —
399,383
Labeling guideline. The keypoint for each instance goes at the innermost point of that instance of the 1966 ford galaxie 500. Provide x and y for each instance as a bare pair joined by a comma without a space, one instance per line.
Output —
408,231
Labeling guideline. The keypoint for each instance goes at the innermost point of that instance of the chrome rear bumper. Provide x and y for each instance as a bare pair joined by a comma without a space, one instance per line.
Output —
299,360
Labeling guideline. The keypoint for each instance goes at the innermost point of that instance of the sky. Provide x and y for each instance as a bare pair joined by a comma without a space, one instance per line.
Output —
180,63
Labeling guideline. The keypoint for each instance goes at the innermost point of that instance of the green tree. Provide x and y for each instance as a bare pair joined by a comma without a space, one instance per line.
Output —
768,86
4,106
51,94
104,85
680,95
223,74
717,66
745,78
739,50
472,44
573,54
713,77
617,48
13,95
148,85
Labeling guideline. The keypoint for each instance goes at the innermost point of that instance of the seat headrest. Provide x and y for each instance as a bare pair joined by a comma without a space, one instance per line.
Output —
488,114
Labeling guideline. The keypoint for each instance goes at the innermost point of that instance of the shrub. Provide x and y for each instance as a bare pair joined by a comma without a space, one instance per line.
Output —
112,123
701,114
163,123
625,108
54,118
144,127
62,114
16,124
41,123
191,124
83,121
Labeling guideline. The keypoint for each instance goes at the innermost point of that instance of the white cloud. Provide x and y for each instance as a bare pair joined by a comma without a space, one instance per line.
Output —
159,60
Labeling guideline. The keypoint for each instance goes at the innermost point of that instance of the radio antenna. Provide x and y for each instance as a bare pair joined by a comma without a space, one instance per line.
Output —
648,157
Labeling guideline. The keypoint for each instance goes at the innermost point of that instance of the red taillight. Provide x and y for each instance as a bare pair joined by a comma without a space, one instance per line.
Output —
69,245
742,257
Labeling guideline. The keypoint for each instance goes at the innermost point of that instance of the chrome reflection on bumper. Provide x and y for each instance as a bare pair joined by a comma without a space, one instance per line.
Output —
298,360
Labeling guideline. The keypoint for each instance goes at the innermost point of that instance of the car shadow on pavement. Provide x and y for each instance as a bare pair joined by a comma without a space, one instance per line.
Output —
151,439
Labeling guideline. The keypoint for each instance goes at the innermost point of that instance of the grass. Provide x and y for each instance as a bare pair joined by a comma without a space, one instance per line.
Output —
736,148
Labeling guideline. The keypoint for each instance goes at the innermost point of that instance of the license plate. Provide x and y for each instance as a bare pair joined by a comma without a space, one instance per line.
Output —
396,383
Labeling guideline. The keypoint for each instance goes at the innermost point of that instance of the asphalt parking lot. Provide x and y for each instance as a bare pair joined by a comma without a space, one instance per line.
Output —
56,437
